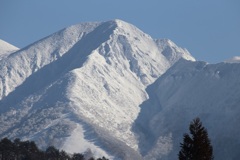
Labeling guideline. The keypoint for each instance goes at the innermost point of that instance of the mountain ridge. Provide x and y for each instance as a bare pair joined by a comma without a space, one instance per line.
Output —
115,53
106,85
194,89
6,49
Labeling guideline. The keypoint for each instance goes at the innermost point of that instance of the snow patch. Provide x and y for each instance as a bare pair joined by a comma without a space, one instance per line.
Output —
76,143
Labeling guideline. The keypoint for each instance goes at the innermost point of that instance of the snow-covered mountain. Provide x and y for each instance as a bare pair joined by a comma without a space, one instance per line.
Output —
188,90
112,88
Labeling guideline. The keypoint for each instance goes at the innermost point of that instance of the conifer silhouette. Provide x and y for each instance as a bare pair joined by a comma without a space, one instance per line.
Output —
198,145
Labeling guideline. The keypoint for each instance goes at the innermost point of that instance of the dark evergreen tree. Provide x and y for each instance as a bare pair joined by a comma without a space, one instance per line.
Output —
31,150
64,156
77,156
17,148
198,145
103,158
6,149
52,153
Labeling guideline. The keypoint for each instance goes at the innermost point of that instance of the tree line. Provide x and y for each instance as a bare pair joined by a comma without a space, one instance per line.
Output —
28,150
195,146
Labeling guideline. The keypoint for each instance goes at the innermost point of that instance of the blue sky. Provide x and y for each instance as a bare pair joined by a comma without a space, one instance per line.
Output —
209,29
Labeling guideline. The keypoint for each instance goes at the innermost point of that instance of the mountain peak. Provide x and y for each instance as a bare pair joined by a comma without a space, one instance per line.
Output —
166,41
6,47
172,52
120,23
117,21
87,70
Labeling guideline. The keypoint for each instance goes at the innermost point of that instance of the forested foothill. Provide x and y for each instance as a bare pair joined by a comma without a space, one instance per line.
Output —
28,150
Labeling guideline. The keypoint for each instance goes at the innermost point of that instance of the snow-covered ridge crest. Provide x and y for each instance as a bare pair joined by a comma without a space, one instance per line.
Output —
6,49
30,59
128,38
137,50
172,52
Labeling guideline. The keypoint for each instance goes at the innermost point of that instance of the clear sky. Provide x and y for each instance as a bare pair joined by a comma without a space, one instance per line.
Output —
209,29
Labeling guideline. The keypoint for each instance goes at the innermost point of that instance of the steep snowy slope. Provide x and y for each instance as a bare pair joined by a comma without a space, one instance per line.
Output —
6,49
172,52
20,65
189,90
81,87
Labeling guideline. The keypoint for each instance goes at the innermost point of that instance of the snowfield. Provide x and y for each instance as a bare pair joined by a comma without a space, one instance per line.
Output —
110,88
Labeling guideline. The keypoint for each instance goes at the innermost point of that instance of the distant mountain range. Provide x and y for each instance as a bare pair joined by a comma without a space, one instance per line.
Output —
111,88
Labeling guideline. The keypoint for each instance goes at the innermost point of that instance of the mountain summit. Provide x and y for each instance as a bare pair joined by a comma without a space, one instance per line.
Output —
100,86
6,49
